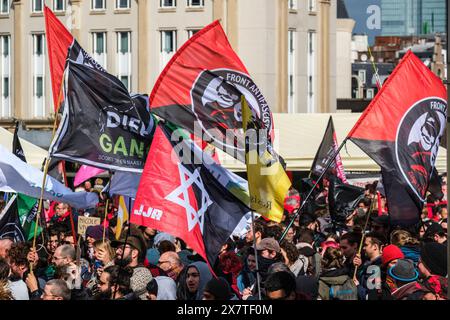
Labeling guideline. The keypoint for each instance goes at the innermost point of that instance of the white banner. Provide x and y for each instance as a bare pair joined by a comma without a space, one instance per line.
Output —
21,177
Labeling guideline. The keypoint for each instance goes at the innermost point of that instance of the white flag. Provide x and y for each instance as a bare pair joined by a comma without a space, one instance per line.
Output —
20,177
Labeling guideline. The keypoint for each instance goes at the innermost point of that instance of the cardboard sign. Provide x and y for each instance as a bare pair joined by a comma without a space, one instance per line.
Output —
84,222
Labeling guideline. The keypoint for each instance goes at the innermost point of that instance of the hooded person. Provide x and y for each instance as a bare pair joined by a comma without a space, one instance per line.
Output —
162,288
193,281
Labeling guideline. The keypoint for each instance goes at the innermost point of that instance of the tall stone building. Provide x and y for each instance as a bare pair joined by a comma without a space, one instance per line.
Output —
288,47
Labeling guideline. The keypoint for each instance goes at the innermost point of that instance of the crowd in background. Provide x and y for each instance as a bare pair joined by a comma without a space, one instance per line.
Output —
318,259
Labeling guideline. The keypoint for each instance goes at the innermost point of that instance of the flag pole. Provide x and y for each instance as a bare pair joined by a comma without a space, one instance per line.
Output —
104,219
44,180
448,137
363,233
258,278
330,162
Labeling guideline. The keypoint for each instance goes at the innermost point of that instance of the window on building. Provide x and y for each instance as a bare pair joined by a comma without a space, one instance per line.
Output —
370,93
191,32
168,41
311,71
4,6
37,5
312,5
38,75
5,46
291,70
98,5
123,4
5,71
168,3
362,76
38,44
293,4
5,88
124,58
168,46
99,48
195,3
59,5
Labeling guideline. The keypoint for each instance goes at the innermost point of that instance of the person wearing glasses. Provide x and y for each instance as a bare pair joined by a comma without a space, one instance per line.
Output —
171,264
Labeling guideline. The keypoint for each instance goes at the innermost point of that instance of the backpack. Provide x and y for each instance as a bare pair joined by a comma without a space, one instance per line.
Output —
345,291
311,265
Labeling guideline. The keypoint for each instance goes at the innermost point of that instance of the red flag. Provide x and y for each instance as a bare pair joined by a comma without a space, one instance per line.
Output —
59,40
180,196
203,84
401,130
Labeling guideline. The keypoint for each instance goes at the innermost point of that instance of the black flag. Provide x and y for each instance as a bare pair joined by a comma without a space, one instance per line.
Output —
9,222
17,147
102,124
327,149
342,199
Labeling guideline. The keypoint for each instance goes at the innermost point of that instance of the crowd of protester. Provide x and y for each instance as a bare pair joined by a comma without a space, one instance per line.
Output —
318,259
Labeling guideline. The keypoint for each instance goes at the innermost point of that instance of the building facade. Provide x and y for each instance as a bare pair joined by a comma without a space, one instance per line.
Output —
288,47
413,17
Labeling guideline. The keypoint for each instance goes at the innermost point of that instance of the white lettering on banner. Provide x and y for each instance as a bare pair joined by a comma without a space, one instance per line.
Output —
151,213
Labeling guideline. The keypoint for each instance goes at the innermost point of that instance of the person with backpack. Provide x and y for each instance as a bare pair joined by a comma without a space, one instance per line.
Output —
334,281
309,260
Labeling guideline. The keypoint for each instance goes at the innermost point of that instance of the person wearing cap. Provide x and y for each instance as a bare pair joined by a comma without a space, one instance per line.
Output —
130,252
269,252
435,233
405,275
433,260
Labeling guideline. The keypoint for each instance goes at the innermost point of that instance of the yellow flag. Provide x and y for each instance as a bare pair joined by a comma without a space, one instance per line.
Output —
268,183
122,216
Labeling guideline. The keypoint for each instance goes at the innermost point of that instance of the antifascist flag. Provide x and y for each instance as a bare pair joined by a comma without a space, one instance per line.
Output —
9,222
177,194
200,90
17,147
59,40
102,124
327,149
268,183
401,130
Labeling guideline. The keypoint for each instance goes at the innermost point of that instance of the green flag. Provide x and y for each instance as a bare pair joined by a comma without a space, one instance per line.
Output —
28,208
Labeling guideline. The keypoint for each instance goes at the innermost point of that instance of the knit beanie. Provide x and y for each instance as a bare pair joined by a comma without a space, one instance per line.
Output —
219,288
391,252
434,256
96,232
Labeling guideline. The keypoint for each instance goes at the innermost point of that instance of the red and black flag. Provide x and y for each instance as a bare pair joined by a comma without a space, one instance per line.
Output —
401,130
327,149
200,90
179,195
